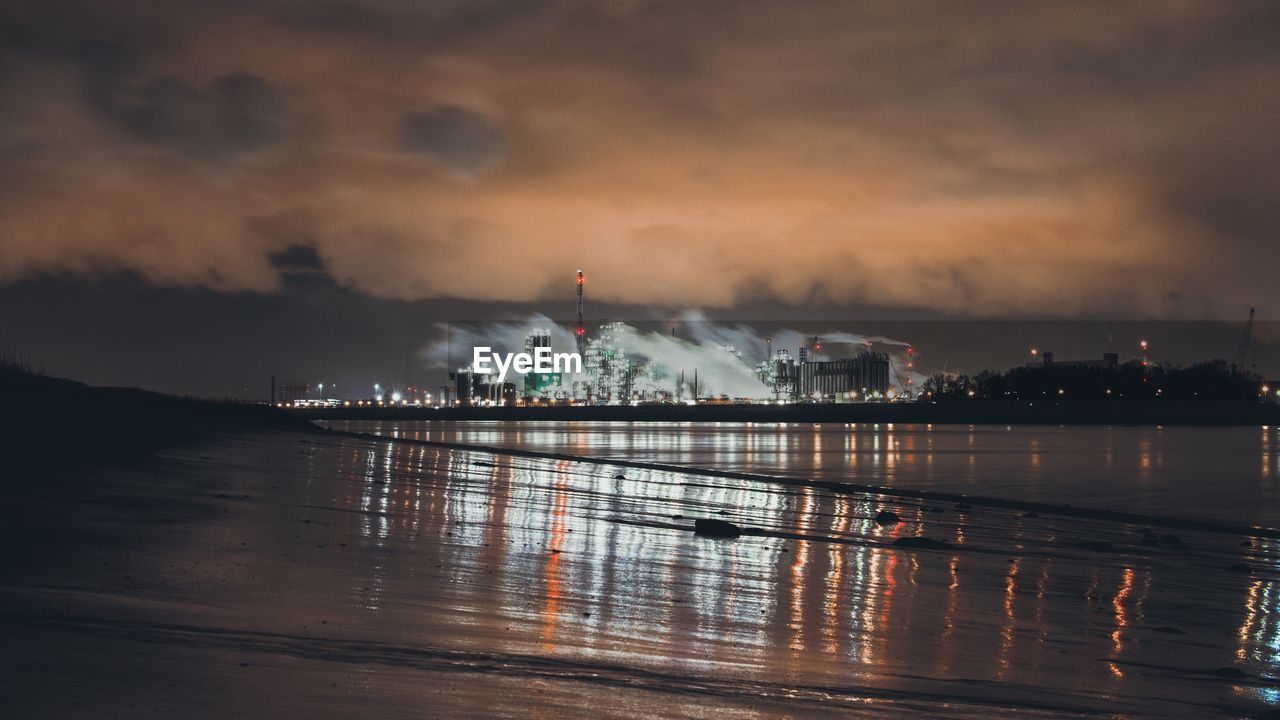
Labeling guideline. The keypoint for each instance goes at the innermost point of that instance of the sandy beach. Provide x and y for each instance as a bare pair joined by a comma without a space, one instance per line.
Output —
278,573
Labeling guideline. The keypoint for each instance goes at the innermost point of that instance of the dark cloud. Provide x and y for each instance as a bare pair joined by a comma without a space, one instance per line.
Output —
237,113
297,258
423,24
229,114
462,141
252,111
1011,157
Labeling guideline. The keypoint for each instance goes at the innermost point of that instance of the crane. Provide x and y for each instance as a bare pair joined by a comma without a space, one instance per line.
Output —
1242,350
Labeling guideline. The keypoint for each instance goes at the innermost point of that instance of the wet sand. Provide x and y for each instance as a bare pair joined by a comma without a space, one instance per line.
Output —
279,574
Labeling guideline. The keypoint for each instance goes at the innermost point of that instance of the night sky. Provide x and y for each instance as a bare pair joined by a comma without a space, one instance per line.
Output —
194,196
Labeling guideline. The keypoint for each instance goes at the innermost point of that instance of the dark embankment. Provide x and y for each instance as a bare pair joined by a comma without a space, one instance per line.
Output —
47,421
995,413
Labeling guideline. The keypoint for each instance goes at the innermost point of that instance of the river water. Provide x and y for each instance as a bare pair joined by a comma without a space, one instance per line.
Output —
1223,474
329,575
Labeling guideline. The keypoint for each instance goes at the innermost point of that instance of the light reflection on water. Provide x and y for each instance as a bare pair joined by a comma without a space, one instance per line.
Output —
1220,473
568,559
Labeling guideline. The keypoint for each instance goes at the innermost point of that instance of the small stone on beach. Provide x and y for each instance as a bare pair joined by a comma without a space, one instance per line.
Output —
887,517
709,527
921,543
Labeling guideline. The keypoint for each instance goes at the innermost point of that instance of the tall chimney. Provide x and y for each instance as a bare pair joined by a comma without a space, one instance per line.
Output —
580,332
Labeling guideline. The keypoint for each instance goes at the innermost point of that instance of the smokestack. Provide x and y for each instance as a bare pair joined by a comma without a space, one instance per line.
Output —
580,331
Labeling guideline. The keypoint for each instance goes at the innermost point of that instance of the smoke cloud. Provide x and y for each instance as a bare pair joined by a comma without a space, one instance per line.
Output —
723,356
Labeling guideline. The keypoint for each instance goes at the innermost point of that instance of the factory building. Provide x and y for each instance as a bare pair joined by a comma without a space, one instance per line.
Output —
866,375
861,376
472,388
613,378
539,385
606,366
782,376
290,393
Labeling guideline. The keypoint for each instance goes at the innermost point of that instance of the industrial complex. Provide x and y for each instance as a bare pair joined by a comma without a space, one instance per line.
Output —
617,372
615,364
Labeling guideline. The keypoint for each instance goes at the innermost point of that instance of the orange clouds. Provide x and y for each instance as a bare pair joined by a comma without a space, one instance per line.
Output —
1026,159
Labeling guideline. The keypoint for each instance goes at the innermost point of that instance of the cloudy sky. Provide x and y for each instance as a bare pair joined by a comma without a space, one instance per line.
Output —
964,158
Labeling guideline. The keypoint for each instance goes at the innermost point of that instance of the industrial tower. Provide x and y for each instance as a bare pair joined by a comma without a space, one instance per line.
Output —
1242,350
580,332
911,366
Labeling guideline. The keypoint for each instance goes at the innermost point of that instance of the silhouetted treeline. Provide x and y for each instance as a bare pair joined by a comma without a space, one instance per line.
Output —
1132,381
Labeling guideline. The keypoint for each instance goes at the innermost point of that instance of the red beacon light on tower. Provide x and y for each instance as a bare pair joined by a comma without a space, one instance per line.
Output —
580,331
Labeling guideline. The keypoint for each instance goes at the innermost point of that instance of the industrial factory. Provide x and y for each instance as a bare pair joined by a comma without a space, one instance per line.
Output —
865,376
687,360
621,365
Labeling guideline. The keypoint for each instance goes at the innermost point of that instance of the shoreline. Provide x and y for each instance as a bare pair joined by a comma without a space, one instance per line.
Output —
43,414
962,413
